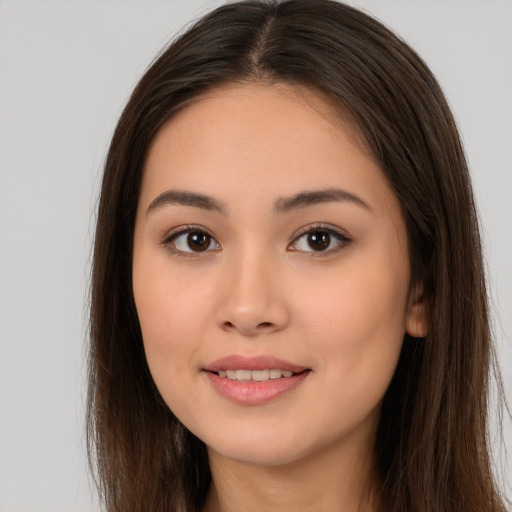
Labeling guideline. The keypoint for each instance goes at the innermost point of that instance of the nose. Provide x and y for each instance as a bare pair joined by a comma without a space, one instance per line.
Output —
252,299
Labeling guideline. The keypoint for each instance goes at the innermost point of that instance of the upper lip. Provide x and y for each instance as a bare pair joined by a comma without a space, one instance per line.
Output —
263,362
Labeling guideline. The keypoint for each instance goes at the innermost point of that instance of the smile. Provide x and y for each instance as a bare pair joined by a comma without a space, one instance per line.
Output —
254,380
255,375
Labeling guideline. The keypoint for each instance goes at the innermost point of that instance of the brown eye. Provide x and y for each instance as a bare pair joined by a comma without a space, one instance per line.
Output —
198,241
319,240
193,241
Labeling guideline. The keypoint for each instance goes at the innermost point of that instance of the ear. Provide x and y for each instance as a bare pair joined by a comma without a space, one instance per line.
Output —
416,324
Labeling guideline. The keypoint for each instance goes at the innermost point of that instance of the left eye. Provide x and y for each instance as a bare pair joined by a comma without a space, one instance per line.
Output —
194,241
320,240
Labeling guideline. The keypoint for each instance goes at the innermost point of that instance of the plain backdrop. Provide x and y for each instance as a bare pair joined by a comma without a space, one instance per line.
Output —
66,70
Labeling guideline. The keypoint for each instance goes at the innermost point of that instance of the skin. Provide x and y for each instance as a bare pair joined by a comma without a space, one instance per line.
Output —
260,289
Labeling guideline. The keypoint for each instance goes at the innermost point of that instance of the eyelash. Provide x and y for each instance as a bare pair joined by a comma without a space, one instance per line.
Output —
332,232
342,240
170,239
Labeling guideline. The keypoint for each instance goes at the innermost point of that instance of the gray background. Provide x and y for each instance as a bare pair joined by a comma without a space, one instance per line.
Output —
66,70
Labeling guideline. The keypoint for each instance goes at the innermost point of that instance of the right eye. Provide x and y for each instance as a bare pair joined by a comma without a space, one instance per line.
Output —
192,241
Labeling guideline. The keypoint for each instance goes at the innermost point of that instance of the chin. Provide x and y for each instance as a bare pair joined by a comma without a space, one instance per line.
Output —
257,455
257,444
264,447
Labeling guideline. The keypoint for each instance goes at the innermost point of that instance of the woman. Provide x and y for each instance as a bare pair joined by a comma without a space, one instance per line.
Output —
288,302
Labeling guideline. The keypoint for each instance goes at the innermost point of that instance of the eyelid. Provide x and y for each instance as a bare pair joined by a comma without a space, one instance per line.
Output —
320,226
334,231
174,233
179,230
341,235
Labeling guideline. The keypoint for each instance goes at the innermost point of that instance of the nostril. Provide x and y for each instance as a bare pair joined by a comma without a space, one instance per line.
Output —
262,326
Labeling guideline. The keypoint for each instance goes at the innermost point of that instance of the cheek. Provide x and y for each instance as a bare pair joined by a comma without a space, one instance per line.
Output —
356,323
169,320
171,308
168,314
359,304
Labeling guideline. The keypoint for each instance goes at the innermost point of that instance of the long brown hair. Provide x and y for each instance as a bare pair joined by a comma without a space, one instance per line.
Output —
431,445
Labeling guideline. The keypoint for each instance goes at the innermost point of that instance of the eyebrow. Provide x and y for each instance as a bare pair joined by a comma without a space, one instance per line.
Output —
281,205
179,197
313,197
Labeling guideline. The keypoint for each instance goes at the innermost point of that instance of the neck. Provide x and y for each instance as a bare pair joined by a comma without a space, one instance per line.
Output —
337,480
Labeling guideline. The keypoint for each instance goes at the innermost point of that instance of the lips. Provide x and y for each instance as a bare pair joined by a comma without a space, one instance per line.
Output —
254,380
255,375
238,362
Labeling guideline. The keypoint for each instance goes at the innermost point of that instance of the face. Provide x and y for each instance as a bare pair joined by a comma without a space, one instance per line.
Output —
270,275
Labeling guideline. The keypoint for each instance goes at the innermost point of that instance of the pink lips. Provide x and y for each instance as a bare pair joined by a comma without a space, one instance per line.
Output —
236,362
252,392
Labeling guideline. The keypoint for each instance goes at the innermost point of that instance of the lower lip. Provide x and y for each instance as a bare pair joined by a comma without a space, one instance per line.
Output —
254,392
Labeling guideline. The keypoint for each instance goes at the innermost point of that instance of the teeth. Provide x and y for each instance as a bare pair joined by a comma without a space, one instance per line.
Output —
256,375
243,375
260,375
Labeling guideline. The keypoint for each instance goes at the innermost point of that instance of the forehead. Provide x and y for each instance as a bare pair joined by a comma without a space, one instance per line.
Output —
309,107
277,139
